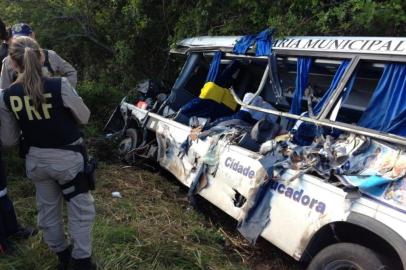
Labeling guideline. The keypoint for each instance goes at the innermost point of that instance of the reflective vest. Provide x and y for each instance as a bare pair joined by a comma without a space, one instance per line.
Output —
51,125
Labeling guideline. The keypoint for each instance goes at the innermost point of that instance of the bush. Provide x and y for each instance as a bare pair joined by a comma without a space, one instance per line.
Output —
101,100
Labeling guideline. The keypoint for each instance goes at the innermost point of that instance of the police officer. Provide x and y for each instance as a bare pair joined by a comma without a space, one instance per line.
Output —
4,200
48,112
53,64
8,221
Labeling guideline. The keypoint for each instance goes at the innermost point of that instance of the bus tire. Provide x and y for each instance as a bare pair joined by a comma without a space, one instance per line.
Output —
346,256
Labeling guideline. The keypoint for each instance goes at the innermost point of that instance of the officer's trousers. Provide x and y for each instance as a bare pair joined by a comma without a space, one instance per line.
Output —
49,168
8,219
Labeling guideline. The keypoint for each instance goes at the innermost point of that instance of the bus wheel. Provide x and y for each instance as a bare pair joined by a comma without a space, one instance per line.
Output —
129,142
346,256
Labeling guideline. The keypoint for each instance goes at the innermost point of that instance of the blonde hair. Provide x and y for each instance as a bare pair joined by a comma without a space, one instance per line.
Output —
26,53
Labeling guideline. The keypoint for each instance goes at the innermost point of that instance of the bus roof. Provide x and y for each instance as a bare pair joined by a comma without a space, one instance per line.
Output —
324,44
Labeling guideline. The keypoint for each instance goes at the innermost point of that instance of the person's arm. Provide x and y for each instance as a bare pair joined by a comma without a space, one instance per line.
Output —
74,102
7,73
9,129
62,67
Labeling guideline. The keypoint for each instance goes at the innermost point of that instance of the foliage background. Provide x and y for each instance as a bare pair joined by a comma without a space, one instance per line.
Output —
115,43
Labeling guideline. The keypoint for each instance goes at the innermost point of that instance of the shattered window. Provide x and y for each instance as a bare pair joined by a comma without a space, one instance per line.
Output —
249,77
377,99
198,77
318,78
367,76
243,76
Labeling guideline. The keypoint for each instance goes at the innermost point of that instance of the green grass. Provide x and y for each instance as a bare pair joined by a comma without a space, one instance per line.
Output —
150,227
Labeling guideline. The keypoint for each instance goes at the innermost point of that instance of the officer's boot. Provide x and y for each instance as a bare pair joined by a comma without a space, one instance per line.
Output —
64,258
83,264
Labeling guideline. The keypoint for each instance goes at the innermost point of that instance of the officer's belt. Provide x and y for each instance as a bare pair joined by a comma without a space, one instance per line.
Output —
78,148
84,181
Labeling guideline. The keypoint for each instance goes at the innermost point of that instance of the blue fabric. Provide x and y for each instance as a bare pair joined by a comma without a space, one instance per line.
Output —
195,183
398,126
377,190
307,131
264,42
206,108
259,215
240,115
302,79
374,184
223,78
214,67
21,29
243,44
337,77
303,70
367,182
386,109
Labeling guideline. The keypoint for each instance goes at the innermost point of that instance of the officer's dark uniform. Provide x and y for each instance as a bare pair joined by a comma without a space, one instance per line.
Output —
53,169
8,220
3,51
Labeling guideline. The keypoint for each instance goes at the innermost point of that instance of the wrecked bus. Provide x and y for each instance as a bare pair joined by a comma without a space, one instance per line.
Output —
301,139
